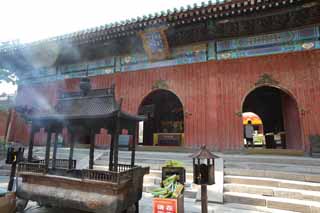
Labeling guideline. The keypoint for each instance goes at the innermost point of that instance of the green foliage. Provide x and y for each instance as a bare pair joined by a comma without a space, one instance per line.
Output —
173,163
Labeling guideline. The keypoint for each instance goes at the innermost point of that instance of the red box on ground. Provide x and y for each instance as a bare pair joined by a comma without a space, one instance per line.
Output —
167,205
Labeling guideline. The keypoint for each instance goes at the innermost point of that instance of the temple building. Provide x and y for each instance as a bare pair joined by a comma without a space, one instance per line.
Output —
192,71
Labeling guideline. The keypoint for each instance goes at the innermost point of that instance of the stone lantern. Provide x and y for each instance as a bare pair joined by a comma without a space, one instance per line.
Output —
203,173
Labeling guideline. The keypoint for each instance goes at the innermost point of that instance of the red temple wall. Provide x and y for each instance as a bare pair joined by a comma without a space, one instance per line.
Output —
3,123
211,93
291,123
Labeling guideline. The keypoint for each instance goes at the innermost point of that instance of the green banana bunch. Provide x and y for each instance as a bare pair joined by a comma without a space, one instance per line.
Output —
160,192
171,188
169,180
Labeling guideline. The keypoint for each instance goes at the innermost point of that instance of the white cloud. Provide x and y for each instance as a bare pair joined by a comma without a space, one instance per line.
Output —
38,19
7,88
30,20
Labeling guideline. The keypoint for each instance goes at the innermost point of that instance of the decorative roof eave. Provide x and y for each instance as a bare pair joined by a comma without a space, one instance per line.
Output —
203,153
85,105
195,13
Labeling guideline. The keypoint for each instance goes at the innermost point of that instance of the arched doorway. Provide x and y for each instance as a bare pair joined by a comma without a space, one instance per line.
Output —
280,115
165,123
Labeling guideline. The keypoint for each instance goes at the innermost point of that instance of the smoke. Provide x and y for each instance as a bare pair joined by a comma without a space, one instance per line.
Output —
33,98
42,55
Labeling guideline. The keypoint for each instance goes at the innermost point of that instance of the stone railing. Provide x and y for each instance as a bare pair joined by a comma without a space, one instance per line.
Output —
124,173
99,175
124,167
31,167
61,163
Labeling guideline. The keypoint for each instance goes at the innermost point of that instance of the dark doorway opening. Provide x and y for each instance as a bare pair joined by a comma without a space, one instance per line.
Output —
165,123
280,116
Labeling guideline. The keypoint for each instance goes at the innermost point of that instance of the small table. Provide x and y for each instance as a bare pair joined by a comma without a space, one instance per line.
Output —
168,139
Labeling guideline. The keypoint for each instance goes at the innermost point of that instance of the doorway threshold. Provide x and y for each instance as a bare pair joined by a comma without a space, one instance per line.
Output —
287,152
164,149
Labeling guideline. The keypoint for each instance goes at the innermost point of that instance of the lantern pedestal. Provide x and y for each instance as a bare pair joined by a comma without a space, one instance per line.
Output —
204,198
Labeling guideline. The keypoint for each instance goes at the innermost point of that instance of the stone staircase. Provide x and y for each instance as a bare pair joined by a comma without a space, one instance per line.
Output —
4,169
155,162
265,183
284,183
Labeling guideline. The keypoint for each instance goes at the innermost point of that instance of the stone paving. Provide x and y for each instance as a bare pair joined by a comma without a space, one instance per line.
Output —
145,206
81,155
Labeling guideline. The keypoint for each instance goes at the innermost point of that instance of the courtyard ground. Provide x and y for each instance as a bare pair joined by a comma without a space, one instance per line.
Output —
145,205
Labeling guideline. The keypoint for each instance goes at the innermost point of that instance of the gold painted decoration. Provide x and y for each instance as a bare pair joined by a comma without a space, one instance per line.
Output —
155,43
266,79
160,84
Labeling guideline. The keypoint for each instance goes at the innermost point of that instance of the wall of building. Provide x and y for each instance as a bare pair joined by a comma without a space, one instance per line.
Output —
211,93
3,123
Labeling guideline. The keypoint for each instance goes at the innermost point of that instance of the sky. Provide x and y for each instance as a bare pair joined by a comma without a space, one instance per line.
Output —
31,20
38,19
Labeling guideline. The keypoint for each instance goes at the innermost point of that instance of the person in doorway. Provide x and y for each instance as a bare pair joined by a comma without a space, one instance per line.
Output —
248,131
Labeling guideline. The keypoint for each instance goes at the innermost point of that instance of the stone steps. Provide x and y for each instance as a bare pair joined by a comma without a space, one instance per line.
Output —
191,206
302,161
249,208
273,174
272,202
272,182
157,159
274,167
5,169
157,173
274,192
283,183
151,162
4,172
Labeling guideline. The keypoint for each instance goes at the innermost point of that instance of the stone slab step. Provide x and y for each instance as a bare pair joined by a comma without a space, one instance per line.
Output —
306,161
274,192
191,206
148,180
152,164
273,174
272,182
255,208
185,156
274,167
4,172
272,202
157,173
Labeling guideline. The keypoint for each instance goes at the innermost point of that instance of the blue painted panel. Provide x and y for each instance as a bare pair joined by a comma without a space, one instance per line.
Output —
267,40
185,55
212,55
299,40
269,50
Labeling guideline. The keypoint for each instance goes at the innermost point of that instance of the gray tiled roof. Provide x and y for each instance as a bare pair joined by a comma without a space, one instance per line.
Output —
96,104
213,9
